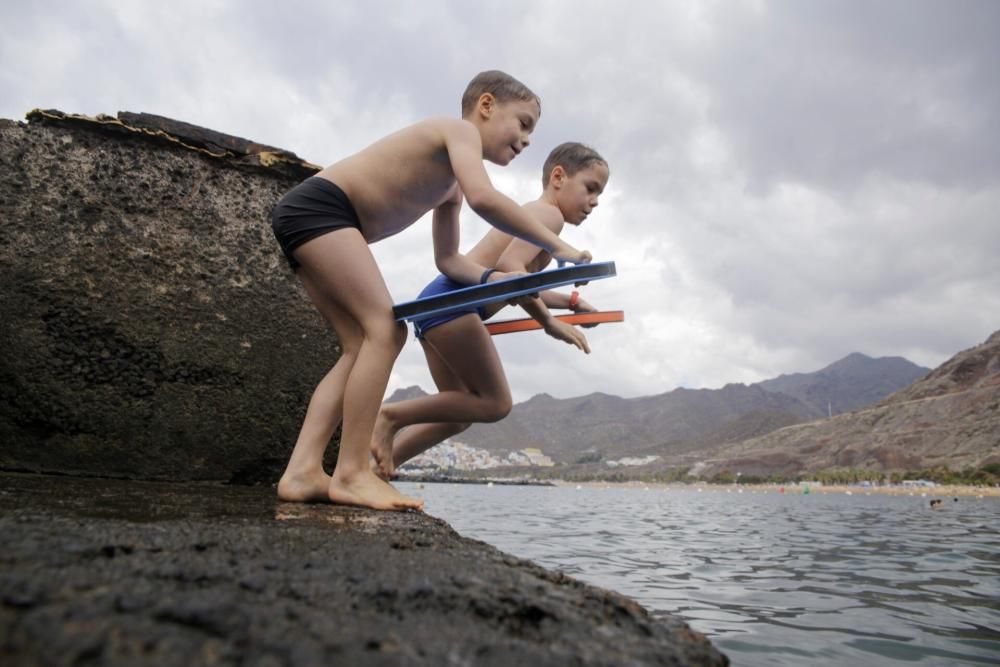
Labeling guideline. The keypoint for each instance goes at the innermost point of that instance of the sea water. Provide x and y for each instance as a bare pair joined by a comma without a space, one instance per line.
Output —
771,578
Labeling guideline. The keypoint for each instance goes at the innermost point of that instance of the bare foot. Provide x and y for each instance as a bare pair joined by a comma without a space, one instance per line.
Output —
377,469
382,436
304,488
367,490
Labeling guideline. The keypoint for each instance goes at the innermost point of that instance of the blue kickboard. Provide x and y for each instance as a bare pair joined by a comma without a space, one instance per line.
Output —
500,290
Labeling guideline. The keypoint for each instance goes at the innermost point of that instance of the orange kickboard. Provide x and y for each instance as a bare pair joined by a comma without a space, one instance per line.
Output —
529,324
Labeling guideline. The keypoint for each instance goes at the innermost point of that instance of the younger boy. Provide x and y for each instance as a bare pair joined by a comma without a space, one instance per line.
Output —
324,226
459,350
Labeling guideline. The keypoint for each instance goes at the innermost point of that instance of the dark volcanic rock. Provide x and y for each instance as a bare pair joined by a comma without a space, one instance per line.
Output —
126,573
151,326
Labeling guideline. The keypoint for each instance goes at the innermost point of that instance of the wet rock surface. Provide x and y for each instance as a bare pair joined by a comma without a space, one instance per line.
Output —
101,572
151,326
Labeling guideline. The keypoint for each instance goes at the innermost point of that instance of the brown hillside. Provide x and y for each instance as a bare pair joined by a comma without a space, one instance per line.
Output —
976,367
949,418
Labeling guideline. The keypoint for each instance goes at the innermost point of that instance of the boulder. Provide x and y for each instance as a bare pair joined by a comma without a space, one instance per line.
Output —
151,326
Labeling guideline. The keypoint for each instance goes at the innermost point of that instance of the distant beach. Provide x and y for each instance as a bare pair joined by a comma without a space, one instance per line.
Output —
942,491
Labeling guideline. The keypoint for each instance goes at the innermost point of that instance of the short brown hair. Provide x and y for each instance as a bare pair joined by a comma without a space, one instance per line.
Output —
501,85
572,157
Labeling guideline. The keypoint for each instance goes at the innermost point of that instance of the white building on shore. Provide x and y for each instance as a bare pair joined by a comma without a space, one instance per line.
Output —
452,455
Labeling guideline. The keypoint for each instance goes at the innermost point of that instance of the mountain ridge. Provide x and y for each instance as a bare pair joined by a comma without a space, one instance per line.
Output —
949,418
679,420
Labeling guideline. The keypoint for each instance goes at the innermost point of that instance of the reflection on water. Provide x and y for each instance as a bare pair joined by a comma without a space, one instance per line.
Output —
772,579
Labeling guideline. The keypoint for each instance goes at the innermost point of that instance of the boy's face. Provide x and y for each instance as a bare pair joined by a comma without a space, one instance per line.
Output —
577,195
506,128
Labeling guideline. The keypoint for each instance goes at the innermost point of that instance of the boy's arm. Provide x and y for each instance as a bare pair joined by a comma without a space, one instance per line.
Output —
515,260
553,327
449,261
554,299
521,256
465,151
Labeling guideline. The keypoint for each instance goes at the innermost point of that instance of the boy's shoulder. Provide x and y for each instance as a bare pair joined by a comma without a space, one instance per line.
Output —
434,133
546,213
441,124
449,127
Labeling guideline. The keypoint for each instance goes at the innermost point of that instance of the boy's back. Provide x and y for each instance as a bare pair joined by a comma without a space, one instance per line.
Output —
399,178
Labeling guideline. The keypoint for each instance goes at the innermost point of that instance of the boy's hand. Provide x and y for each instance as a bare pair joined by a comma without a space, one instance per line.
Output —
584,307
523,300
568,334
500,275
570,254
573,256
518,301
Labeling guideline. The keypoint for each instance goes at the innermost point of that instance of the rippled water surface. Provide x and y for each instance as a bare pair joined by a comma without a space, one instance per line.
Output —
773,579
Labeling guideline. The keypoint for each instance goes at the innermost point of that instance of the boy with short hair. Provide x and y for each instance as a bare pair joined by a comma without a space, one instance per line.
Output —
324,226
460,353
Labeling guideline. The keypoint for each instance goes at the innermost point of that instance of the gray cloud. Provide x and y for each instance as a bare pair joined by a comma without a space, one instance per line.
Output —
791,181
833,93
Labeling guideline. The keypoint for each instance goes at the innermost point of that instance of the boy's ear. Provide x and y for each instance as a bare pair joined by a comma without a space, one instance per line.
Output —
558,176
487,103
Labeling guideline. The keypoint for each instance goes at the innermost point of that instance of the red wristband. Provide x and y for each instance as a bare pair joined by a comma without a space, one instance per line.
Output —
574,299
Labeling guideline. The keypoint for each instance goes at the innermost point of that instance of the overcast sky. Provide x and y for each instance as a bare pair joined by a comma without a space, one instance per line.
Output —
790,181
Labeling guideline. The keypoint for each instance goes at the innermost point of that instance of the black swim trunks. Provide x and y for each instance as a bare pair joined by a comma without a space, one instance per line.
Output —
312,208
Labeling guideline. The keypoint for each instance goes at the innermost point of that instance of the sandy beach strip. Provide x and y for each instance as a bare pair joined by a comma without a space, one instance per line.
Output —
940,491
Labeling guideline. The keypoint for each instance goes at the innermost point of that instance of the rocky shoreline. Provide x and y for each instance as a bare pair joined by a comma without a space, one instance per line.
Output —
108,572
154,332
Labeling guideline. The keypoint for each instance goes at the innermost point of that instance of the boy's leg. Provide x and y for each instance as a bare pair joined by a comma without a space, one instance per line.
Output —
304,479
467,349
418,438
340,267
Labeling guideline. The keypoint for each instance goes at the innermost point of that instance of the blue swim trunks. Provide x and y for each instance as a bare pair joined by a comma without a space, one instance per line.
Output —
440,285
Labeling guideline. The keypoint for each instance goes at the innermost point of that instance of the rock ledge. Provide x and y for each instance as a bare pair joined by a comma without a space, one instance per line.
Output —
114,573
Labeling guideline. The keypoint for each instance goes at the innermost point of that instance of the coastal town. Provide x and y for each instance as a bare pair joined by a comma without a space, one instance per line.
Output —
454,455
